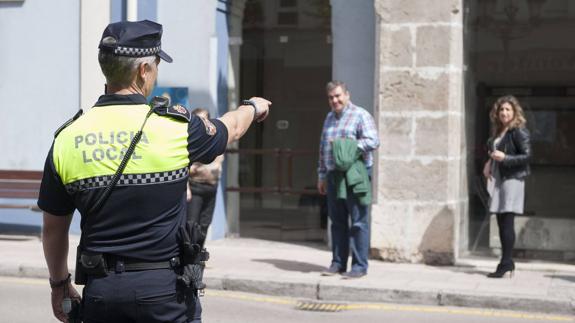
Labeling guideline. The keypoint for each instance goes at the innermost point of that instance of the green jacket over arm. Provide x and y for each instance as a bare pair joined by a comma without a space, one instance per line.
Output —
351,171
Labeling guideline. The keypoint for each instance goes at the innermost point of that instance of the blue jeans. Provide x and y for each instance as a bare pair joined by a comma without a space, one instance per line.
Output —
344,237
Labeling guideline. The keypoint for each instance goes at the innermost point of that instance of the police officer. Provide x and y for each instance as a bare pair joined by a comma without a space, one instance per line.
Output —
130,242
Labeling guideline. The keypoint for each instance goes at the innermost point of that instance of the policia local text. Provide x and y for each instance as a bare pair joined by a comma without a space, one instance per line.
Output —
111,138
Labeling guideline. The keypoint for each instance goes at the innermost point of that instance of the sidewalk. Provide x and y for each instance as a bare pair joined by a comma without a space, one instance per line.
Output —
286,269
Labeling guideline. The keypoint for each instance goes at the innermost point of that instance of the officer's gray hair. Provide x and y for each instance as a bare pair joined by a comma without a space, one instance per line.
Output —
120,70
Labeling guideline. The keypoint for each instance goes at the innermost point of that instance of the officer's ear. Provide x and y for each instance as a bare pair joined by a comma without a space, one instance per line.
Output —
143,70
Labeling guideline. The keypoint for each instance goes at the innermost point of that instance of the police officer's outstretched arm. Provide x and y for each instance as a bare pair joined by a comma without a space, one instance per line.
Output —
238,121
56,244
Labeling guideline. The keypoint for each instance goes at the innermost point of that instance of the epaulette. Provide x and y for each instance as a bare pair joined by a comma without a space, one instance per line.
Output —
161,106
69,122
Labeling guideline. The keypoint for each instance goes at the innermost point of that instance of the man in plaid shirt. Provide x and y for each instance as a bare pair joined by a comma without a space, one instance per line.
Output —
345,120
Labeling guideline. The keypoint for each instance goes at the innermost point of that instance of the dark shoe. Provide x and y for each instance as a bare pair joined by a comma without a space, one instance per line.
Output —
502,269
354,275
332,271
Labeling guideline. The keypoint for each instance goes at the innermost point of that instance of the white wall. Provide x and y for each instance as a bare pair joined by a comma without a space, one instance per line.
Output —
39,77
95,16
353,34
189,34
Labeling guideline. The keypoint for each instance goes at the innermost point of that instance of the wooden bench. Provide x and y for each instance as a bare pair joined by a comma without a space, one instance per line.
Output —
17,184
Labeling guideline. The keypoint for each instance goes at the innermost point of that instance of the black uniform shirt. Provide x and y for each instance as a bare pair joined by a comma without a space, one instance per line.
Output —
139,219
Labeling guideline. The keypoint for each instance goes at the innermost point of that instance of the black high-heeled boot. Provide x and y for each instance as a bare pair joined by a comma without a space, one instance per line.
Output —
502,269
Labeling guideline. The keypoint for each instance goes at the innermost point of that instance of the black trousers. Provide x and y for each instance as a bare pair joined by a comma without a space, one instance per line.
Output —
201,207
506,224
148,296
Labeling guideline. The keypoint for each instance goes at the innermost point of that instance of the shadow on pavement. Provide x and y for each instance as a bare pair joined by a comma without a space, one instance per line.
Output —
464,269
570,279
291,265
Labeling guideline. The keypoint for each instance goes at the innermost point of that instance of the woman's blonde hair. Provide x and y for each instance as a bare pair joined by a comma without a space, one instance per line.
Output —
518,115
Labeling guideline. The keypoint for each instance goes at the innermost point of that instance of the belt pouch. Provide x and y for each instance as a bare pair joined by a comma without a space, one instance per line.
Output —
93,264
79,274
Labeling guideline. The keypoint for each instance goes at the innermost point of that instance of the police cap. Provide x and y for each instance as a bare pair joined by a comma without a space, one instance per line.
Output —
134,39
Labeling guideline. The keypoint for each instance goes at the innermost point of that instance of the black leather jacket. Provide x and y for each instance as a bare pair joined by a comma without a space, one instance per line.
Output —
517,148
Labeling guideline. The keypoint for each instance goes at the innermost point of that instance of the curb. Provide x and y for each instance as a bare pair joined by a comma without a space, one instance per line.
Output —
24,271
328,292
504,302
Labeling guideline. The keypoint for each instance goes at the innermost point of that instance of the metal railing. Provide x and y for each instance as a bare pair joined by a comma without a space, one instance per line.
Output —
282,185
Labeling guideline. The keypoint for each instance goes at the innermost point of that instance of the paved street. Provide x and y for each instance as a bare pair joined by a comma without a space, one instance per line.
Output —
24,300
292,270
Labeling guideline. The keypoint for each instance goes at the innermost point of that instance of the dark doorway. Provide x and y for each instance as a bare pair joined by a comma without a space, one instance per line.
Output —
518,47
286,56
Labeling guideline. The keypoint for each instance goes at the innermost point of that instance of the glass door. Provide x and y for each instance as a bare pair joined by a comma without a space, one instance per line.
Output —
286,58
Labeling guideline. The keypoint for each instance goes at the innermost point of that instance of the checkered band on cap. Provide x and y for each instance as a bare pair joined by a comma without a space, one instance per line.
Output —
128,180
136,52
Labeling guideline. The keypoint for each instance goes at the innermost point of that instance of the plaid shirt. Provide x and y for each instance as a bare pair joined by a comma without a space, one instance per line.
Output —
355,123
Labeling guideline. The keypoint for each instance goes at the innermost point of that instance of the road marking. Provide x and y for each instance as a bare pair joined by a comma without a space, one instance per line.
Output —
253,298
397,308
31,281
24,281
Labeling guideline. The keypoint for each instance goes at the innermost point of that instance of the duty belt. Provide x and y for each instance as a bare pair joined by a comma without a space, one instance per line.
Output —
121,264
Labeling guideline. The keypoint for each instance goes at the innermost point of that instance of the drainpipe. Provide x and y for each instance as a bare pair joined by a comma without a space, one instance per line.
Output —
131,10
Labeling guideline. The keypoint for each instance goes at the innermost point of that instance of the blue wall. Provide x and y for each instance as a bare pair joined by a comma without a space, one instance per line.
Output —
39,77
219,222
39,87
353,30
147,9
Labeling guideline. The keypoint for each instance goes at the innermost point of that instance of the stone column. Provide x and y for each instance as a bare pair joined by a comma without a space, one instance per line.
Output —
421,193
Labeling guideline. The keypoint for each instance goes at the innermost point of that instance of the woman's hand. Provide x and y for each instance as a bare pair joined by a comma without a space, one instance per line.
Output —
498,155
487,169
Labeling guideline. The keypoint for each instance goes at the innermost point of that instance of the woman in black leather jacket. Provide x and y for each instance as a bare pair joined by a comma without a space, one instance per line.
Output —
506,170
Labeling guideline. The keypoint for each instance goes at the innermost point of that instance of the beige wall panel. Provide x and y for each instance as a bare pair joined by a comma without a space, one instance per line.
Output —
397,133
392,223
409,91
396,47
431,136
438,136
433,229
432,46
414,180
418,11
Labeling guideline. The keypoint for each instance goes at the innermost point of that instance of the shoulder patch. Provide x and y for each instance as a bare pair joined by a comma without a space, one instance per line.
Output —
210,127
69,122
179,112
161,106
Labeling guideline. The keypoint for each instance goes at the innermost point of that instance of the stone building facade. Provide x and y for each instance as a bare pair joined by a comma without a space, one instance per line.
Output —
421,174
440,66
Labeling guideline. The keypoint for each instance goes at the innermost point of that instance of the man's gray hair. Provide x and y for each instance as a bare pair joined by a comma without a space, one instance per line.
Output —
332,85
120,70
